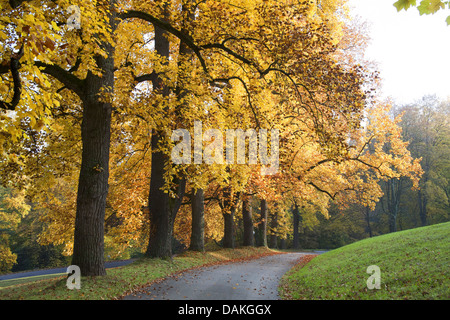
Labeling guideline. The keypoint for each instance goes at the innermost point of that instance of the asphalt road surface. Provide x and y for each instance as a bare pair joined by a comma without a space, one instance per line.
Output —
17,275
247,280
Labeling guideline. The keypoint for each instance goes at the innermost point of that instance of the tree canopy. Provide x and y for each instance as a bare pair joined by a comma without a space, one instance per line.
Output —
92,92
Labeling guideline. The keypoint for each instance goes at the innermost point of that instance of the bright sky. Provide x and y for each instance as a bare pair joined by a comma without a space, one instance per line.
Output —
412,51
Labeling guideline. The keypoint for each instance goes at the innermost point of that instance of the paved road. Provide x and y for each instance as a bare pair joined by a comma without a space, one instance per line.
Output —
248,280
111,264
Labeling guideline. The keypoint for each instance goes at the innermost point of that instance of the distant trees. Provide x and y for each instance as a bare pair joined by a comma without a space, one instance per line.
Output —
19,231
12,210
426,125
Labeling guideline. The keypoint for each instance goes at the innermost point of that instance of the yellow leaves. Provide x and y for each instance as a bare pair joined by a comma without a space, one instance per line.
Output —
13,207
35,34
378,152
16,201
3,88
29,18
294,38
7,258
312,8
55,26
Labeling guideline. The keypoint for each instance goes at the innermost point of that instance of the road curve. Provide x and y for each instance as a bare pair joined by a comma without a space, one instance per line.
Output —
247,280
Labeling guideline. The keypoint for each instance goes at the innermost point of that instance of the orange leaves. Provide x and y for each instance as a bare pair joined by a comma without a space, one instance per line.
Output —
39,46
281,65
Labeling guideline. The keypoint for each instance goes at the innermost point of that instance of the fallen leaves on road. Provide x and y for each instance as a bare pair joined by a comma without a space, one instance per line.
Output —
226,256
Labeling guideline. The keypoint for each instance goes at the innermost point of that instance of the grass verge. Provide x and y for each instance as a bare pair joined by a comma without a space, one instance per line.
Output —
123,280
18,281
414,265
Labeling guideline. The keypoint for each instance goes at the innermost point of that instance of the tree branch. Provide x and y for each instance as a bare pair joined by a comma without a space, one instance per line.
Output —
318,164
322,190
227,80
17,83
189,41
146,77
15,3
167,27
369,165
69,80
332,196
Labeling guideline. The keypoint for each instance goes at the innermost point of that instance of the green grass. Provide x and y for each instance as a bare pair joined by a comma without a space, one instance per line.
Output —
414,264
122,280
18,281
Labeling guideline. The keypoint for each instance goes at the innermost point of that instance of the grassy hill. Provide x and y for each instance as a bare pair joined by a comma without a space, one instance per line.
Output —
414,264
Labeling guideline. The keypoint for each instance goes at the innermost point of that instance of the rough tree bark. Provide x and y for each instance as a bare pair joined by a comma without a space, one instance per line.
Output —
88,247
198,221
296,214
162,207
228,236
367,217
262,227
93,179
161,219
248,223
228,206
422,202
393,195
273,242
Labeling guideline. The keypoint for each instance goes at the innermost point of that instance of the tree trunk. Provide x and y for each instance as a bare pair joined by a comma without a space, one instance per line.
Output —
88,247
248,223
422,199
93,180
198,221
273,243
393,195
228,207
296,214
283,244
160,216
367,216
228,235
161,220
392,223
262,228
162,208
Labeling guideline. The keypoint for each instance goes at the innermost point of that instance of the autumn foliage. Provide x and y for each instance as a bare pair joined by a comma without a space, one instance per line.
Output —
87,114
